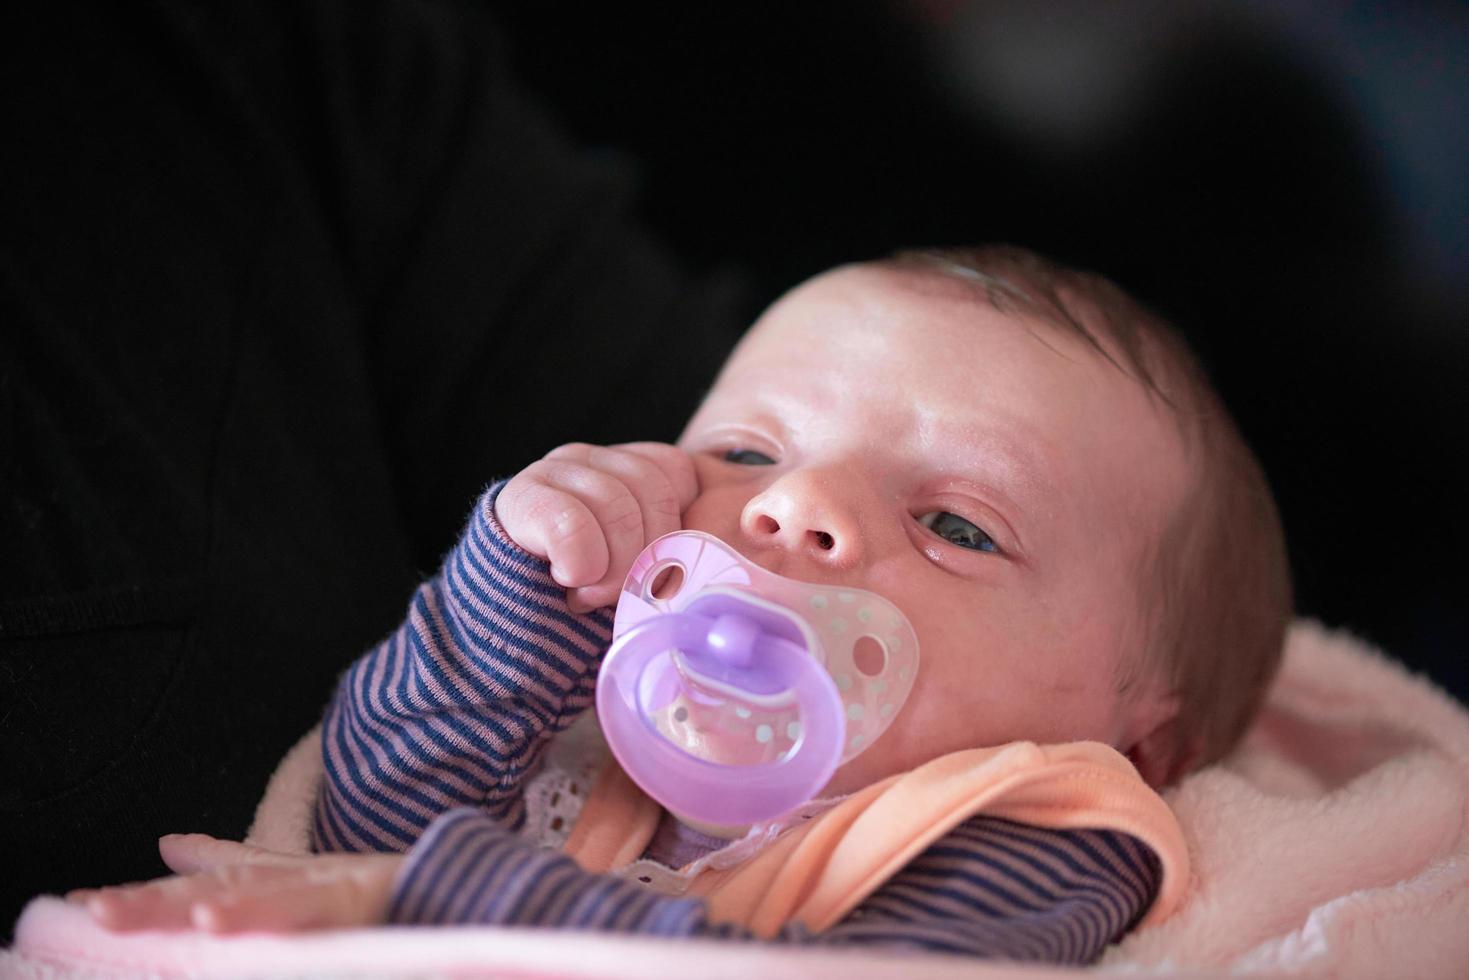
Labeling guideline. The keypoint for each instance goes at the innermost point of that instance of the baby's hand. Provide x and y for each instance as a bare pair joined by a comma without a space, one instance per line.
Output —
589,511
223,886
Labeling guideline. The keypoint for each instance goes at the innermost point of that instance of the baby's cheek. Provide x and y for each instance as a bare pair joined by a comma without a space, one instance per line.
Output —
716,511
712,471
698,518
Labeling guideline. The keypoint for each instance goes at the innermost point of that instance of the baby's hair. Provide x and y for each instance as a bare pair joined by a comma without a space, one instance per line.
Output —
1216,584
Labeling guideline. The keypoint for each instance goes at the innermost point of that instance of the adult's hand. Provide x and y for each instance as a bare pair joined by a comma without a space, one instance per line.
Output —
225,887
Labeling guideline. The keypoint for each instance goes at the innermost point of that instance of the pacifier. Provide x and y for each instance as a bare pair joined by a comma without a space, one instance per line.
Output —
731,694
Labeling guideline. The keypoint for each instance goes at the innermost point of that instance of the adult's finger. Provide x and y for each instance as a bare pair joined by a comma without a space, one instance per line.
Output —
188,853
318,899
128,908
163,903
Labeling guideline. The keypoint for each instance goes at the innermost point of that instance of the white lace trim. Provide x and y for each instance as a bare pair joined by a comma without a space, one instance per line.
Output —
676,881
555,795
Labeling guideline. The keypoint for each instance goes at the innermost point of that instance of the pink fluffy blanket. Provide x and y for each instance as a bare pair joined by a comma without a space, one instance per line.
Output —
1334,842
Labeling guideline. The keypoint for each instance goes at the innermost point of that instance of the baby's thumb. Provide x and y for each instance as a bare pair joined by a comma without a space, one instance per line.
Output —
187,853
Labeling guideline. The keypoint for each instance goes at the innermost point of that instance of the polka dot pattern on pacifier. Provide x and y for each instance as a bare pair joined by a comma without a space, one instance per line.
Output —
724,731
869,654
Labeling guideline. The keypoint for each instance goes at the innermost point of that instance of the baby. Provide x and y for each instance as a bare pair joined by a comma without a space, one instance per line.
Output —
1028,464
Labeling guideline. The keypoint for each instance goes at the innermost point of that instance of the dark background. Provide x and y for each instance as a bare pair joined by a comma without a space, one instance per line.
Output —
264,265
1287,182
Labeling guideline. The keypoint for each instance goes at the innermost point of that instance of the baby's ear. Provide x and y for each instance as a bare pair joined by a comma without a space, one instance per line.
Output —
1161,748
1165,754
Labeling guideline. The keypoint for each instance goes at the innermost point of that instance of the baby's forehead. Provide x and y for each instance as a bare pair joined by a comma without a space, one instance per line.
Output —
892,334
1067,325
1080,318
855,308
909,346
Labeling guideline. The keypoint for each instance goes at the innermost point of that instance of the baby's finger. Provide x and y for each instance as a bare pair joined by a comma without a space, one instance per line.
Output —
162,904
657,497
127,912
615,507
556,525
283,909
675,465
187,853
658,502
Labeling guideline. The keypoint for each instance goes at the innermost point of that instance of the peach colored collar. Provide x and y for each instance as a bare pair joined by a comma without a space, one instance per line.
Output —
816,871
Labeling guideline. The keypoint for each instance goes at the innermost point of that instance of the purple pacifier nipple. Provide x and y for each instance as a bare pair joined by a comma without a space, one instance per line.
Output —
732,639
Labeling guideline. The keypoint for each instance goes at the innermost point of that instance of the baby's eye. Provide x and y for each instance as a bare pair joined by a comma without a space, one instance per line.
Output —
748,457
955,529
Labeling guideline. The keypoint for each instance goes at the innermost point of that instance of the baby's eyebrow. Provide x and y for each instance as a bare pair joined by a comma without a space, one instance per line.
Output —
1008,463
769,407
988,451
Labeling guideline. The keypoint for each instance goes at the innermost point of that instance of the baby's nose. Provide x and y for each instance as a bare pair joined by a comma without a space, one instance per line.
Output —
806,513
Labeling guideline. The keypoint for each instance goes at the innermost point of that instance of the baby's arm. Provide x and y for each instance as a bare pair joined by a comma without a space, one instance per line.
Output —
455,708
989,888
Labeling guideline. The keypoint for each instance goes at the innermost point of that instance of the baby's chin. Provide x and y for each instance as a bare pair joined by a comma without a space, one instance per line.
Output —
886,759
866,769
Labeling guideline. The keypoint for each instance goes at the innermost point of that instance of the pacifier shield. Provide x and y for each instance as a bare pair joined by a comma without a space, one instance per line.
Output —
731,694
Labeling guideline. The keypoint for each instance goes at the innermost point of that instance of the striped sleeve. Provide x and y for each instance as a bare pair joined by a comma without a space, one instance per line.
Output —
455,707
991,888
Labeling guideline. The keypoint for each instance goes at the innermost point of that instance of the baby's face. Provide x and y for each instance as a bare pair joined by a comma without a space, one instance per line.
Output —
994,477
